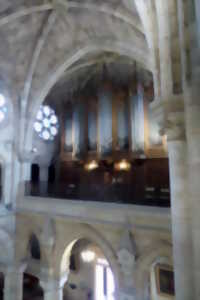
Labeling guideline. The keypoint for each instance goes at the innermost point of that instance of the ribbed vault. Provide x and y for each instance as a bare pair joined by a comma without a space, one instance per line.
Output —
42,40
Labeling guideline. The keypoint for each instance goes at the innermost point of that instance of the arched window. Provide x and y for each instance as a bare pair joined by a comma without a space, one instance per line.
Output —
34,247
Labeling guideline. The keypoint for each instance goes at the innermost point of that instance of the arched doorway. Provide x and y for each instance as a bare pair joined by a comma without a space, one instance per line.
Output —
90,273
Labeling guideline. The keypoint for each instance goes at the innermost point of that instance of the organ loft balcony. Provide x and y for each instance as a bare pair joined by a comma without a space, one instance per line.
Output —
99,144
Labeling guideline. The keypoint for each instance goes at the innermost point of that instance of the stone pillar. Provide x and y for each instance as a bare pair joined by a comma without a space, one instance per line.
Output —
53,289
171,116
13,283
193,137
192,113
26,166
181,219
197,12
6,178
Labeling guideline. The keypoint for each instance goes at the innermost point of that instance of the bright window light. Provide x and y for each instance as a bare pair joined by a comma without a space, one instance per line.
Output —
38,127
3,108
88,256
39,115
105,286
46,110
54,131
54,119
46,124
46,135
2,100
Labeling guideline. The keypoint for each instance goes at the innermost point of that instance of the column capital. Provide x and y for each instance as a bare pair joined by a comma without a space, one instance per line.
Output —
51,284
16,267
170,117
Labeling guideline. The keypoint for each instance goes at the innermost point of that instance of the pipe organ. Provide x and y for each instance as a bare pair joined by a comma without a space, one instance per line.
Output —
79,128
68,121
123,124
137,120
105,121
109,123
92,124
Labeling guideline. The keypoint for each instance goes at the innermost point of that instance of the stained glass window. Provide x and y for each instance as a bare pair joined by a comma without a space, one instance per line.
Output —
46,123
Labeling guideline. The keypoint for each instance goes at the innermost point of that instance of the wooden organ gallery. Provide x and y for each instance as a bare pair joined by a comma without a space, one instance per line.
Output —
109,140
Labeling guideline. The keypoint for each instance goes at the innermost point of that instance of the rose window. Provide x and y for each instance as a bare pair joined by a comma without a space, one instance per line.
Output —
46,124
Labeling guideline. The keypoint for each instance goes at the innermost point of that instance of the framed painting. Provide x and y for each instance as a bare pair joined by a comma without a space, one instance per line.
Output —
165,280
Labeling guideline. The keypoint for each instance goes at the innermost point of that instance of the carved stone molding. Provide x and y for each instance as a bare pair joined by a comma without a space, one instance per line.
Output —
170,117
127,253
48,232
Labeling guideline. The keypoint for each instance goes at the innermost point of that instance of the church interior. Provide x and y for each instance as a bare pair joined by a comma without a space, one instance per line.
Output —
99,149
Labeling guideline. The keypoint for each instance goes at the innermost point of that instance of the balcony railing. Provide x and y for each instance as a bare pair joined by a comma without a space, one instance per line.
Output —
113,193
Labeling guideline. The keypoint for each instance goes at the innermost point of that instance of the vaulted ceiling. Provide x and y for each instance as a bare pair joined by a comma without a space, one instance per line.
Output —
42,41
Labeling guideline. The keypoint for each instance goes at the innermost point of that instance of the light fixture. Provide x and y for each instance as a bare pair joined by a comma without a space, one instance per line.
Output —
122,165
92,165
46,124
88,256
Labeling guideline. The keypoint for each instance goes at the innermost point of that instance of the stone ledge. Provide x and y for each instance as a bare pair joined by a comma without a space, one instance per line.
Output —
148,218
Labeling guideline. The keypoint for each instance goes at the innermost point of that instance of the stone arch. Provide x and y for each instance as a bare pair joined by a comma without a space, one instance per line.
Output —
138,54
162,253
86,232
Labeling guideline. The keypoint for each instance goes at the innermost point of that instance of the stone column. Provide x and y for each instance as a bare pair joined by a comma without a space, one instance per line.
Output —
6,178
26,166
171,116
13,283
192,113
181,219
53,289
193,137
